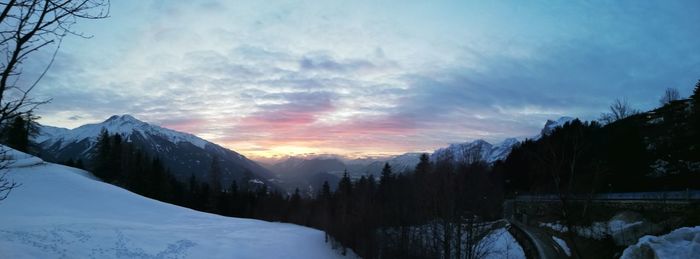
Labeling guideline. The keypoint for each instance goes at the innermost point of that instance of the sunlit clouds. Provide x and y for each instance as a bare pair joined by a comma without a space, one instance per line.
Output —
367,78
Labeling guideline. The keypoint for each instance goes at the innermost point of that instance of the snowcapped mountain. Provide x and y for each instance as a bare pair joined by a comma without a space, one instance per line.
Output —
307,174
125,125
49,132
184,154
300,167
550,125
399,164
63,212
478,150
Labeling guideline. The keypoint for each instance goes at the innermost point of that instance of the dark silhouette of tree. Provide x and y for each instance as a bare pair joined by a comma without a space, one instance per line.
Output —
696,93
620,109
215,174
102,156
17,134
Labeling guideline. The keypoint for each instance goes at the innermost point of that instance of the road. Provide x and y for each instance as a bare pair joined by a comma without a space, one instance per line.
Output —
543,246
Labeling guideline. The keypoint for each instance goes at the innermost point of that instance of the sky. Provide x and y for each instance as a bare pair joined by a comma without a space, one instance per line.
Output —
367,78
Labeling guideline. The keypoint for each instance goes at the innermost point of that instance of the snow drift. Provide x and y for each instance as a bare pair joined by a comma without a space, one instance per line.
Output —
680,243
63,212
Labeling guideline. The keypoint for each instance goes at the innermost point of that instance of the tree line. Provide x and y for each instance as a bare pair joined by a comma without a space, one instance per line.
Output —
439,209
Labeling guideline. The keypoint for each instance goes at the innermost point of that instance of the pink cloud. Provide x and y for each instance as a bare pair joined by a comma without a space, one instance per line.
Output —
185,125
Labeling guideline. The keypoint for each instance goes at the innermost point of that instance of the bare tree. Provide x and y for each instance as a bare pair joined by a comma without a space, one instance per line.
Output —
670,95
27,26
6,185
619,109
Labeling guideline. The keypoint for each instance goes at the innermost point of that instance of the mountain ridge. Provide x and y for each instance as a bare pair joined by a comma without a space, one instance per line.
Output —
183,153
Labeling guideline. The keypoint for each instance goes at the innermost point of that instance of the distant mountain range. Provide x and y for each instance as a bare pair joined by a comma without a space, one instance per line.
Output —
298,171
184,154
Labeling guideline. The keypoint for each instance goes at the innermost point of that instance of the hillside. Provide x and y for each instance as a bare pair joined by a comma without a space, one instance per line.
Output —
63,212
655,150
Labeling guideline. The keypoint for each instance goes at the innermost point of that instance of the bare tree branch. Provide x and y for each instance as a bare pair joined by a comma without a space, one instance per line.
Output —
26,27
620,109
670,95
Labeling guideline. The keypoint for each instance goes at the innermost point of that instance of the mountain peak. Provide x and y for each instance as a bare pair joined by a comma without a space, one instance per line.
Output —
122,118
550,125
125,125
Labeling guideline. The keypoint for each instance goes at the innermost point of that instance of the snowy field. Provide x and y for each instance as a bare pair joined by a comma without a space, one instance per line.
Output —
62,212
680,243
502,245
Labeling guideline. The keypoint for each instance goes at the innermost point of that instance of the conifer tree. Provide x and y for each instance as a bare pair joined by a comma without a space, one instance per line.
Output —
103,152
325,191
696,94
18,134
387,175
423,166
345,185
215,174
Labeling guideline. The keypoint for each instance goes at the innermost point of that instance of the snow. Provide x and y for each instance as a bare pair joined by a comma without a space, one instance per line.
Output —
256,181
62,212
404,162
489,153
563,245
680,243
502,150
502,244
126,125
600,230
11,158
550,125
659,168
48,132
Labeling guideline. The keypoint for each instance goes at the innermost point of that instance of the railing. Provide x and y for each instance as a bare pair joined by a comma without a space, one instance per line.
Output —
689,195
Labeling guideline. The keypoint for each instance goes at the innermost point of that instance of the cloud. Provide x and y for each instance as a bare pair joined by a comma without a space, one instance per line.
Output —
324,62
360,78
295,110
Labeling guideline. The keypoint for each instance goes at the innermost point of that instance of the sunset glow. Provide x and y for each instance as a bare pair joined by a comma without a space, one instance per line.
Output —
366,78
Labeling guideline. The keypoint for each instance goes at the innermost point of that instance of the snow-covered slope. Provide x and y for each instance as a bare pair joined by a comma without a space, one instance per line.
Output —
680,243
62,212
475,150
407,161
399,164
48,132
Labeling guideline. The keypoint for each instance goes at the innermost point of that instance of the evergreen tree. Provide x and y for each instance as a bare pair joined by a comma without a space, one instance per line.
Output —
295,200
18,134
345,184
115,159
387,175
79,164
103,150
325,191
215,174
233,188
423,166
696,94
